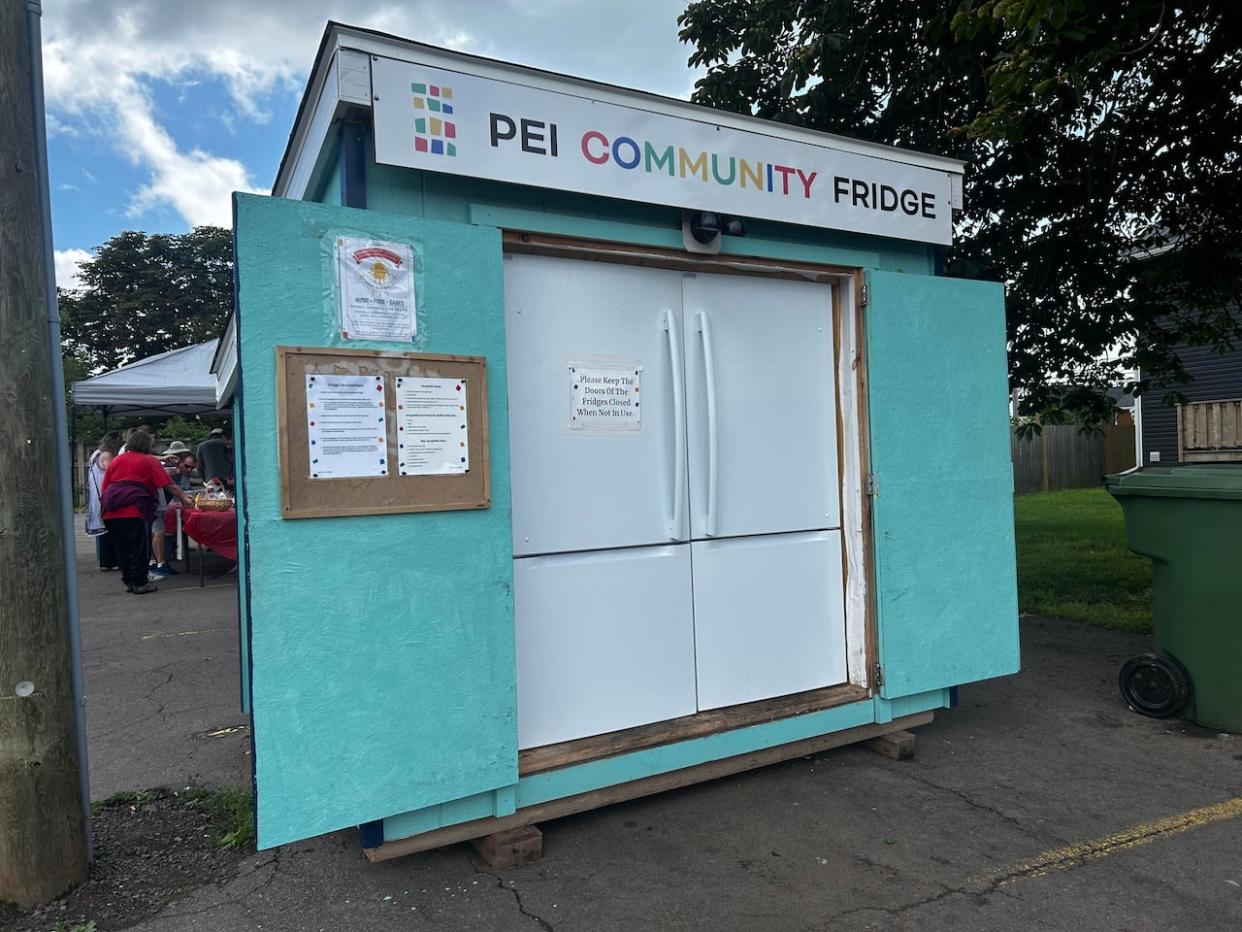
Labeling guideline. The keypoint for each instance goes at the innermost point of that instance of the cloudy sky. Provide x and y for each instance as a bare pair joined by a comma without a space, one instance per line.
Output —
159,109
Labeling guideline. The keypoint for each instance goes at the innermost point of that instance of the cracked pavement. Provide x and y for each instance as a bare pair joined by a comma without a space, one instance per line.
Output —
849,840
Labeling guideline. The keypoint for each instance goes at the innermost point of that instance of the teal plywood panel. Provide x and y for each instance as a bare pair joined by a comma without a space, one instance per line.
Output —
392,189
534,789
665,237
910,258
381,646
943,519
330,192
609,771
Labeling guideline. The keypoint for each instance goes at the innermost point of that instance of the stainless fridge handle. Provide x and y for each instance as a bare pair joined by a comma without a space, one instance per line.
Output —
709,376
679,427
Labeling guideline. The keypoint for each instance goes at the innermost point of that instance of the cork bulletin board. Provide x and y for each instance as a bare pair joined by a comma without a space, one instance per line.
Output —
307,495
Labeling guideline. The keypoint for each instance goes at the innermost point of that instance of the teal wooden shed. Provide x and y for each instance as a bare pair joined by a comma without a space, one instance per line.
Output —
593,443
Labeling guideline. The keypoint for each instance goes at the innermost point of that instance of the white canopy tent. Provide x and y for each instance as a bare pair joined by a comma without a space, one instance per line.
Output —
180,381
177,382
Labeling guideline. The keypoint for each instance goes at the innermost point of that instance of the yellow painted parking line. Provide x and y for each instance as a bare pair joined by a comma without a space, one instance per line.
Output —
1144,833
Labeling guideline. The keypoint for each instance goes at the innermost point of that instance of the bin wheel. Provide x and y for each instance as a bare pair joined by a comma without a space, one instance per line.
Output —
1153,685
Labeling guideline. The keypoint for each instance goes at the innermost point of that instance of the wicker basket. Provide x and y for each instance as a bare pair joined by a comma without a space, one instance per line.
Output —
212,504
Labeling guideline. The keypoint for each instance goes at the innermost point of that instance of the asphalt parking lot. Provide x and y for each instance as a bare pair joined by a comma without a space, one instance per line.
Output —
1040,803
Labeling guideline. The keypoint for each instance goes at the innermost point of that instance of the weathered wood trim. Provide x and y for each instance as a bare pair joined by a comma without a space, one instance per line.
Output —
871,621
659,257
581,750
452,834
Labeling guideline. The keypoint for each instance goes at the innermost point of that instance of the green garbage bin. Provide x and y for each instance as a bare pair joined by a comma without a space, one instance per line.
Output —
1188,519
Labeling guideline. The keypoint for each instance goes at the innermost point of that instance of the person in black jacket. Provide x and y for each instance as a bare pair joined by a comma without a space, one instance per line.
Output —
215,457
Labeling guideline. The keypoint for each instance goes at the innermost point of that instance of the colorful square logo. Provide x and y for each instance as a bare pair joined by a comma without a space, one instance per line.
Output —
434,133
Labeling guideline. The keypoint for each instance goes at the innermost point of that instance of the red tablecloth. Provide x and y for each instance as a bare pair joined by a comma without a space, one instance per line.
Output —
215,530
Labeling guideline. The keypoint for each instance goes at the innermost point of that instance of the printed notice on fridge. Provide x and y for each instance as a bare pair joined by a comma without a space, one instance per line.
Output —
376,290
604,398
346,430
432,430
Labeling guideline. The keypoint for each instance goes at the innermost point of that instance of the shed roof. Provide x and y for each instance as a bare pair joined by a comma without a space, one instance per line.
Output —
332,89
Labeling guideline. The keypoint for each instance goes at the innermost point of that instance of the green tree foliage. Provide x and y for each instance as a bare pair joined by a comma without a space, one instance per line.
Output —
144,294
1103,139
189,430
89,423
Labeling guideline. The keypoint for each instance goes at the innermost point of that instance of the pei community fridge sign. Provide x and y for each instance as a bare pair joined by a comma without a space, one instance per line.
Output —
465,124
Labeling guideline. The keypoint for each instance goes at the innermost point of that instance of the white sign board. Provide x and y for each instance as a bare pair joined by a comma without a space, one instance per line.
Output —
463,124
375,283
432,430
604,398
346,430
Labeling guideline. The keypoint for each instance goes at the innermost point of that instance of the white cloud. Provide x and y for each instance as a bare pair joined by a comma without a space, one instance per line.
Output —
56,127
67,267
88,81
100,59
101,56
196,184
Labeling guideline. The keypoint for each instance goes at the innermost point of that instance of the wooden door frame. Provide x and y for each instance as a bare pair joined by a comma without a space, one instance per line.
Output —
701,724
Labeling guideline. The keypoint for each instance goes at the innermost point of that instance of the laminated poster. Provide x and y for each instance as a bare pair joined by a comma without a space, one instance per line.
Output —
346,430
432,429
604,398
376,290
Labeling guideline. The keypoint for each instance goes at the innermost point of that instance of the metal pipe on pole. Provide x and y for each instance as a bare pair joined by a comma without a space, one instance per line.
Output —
34,32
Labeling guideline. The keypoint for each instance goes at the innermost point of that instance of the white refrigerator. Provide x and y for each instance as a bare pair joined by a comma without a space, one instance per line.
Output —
676,502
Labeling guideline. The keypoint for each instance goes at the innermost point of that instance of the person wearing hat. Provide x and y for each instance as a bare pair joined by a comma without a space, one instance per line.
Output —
170,457
180,462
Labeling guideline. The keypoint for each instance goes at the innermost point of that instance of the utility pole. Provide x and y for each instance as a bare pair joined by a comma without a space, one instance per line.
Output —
44,847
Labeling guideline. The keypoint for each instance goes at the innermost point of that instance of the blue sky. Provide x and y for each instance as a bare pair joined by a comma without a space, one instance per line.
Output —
93,181
159,109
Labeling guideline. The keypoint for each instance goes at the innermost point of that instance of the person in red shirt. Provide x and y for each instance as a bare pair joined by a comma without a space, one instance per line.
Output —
129,497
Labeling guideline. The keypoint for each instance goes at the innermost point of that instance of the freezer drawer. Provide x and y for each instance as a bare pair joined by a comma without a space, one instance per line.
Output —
605,641
769,616
584,484
761,406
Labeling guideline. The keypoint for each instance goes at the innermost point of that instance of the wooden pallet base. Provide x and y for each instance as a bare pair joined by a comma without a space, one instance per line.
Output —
896,745
511,848
557,808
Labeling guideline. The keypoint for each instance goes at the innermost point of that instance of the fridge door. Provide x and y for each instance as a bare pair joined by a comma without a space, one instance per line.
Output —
605,641
596,481
769,617
761,405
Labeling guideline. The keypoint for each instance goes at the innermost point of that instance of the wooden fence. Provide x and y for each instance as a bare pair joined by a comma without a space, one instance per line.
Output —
79,456
1210,432
1063,457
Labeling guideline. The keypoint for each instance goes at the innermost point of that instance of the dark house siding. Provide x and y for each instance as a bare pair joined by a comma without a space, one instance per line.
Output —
1218,377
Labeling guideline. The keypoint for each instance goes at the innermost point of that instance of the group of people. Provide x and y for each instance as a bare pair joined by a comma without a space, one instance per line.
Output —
128,490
